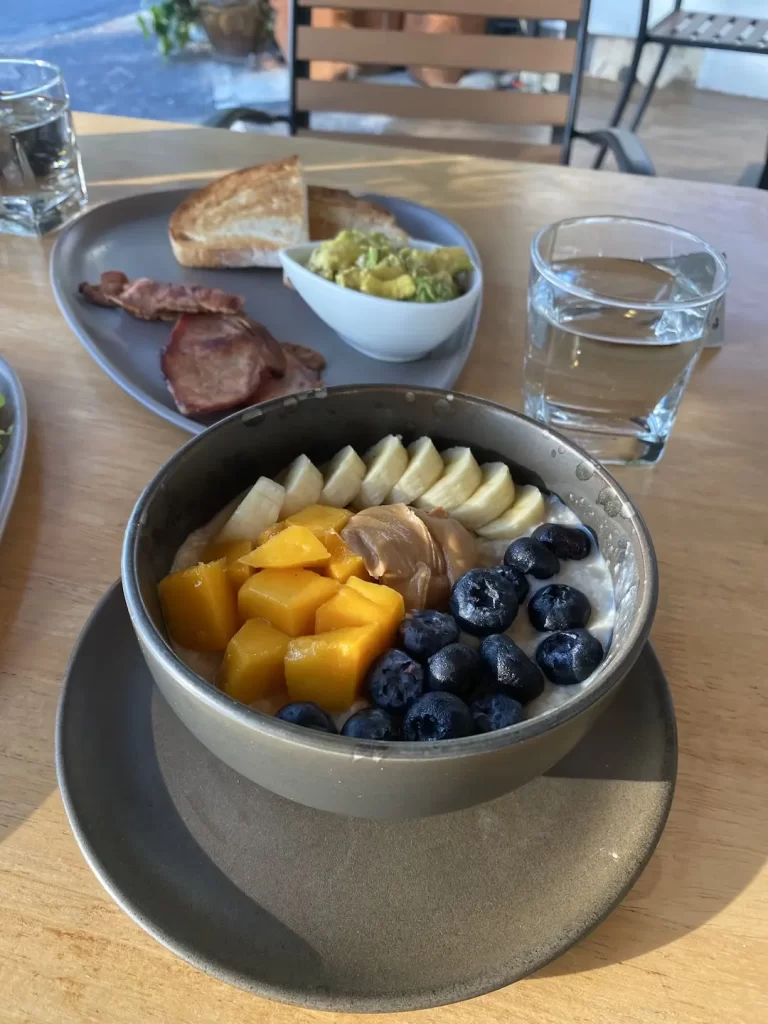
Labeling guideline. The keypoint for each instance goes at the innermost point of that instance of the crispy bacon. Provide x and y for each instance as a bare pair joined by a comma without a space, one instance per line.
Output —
153,300
298,377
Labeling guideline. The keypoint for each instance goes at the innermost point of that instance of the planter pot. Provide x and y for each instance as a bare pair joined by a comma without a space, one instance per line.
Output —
235,29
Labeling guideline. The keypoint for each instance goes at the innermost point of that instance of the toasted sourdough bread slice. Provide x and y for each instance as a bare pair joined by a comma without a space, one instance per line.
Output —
243,219
332,210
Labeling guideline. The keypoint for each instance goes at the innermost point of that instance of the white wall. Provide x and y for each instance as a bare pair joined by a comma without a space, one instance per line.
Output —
743,74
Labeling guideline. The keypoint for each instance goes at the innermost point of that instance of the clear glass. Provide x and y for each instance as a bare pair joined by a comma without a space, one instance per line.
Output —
41,175
618,312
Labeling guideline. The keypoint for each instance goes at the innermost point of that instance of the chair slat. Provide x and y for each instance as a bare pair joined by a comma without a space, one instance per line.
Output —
494,107
564,10
496,149
492,53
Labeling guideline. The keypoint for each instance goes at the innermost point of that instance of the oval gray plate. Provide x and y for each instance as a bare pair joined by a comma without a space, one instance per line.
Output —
340,913
13,413
131,235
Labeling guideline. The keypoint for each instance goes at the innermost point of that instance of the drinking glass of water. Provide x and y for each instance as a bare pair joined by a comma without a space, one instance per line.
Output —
618,312
41,177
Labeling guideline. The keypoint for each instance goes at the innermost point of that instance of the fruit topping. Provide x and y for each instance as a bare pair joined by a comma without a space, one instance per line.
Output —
303,483
385,463
558,606
424,633
253,662
518,578
342,478
483,602
510,669
395,681
308,714
455,669
569,656
566,541
532,557
425,467
527,509
437,716
200,607
295,547
494,495
461,478
372,724
496,711
259,509
288,598
329,668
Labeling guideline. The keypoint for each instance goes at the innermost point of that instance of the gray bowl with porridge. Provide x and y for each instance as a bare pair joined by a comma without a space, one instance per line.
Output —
188,505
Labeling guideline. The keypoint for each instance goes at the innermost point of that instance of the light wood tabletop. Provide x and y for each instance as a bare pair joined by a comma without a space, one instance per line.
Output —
690,942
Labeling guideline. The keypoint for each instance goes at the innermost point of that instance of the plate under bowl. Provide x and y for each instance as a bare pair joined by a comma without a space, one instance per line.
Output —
348,914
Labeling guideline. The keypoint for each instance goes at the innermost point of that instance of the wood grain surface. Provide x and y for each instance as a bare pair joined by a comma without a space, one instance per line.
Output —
690,942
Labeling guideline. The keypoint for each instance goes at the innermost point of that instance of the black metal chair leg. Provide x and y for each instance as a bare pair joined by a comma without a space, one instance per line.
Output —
629,81
649,89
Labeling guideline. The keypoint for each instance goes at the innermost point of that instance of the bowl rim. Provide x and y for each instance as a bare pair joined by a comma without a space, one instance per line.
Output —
289,263
335,744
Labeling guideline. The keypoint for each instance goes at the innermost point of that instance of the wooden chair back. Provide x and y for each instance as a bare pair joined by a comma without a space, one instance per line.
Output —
425,53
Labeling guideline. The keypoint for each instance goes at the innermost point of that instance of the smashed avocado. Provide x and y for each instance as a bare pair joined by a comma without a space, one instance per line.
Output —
373,263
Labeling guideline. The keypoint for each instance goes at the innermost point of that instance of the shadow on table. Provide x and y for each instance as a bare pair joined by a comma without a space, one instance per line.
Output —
27,713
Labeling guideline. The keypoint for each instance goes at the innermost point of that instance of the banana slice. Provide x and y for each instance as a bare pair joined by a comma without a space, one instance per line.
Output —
460,479
386,462
259,509
425,467
303,483
494,495
527,511
343,477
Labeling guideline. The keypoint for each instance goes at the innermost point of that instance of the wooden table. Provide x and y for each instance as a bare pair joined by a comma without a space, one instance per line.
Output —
690,942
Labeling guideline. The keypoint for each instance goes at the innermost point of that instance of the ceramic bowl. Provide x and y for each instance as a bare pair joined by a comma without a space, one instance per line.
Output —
395,332
369,778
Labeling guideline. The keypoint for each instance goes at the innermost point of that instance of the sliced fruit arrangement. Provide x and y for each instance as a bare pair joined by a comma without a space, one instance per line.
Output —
358,588
483,498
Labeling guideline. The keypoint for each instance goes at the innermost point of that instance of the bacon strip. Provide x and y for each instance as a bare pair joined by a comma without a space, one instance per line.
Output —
152,300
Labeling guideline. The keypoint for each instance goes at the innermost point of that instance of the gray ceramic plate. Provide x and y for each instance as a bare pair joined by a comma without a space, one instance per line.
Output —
13,414
131,235
350,914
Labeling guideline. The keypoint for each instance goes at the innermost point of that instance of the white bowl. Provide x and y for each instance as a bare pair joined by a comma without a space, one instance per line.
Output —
386,329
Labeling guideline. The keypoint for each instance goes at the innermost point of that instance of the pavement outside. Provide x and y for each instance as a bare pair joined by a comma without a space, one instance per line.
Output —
110,68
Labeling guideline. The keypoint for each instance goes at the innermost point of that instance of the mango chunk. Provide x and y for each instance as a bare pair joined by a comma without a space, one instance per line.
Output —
271,531
296,547
349,608
389,599
344,562
233,550
288,598
199,606
320,519
329,668
253,666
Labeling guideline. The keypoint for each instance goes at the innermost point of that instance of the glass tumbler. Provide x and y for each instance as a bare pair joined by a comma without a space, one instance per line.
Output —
618,312
41,176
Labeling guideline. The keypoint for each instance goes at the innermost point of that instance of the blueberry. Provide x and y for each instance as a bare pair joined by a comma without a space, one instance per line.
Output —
372,724
425,633
496,711
437,716
456,669
566,541
483,601
558,607
394,681
533,558
511,670
308,714
569,656
519,579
